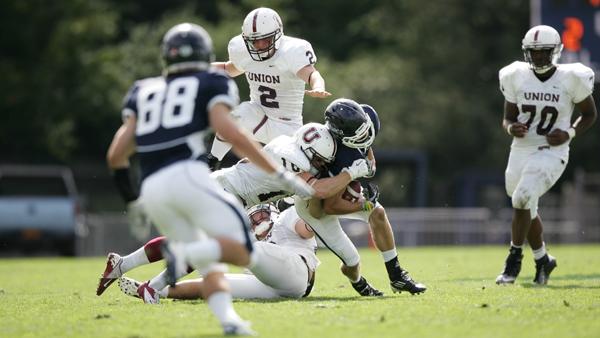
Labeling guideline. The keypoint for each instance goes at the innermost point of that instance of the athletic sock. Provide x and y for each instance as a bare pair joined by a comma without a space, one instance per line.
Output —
221,305
388,255
219,148
516,246
539,253
200,254
134,259
393,268
164,293
159,281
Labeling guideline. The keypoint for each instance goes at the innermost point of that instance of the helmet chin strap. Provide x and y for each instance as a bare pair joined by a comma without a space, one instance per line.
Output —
543,70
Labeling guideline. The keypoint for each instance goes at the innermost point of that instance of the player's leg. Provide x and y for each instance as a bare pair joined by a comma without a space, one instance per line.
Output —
251,117
274,128
513,174
269,260
330,233
117,265
218,215
383,237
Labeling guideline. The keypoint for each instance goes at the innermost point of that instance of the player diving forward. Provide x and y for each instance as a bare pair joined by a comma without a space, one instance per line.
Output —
309,150
355,127
277,68
285,244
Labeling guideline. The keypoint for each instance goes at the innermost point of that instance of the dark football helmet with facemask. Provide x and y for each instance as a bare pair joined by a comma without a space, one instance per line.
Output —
348,122
186,47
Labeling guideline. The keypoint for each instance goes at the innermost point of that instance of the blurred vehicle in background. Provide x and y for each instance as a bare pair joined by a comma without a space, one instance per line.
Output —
39,209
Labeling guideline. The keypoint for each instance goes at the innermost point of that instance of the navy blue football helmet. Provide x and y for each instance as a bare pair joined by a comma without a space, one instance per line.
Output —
373,116
187,47
348,122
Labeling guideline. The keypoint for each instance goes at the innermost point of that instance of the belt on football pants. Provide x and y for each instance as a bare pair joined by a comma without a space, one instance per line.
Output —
311,278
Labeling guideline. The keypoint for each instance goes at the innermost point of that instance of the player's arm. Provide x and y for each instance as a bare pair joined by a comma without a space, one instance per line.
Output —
588,111
313,78
303,230
327,187
510,123
117,157
336,205
228,67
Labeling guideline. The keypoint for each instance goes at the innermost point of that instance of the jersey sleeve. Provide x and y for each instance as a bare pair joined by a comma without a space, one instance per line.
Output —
506,77
238,54
583,83
288,219
224,91
300,55
130,102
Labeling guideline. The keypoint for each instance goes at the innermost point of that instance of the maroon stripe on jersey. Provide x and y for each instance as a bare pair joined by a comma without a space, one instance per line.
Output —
260,124
534,36
254,22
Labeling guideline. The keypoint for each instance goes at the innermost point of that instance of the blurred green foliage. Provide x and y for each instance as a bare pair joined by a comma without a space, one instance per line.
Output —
428,67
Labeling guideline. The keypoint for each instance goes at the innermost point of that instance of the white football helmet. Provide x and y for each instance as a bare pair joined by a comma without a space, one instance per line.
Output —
262,23
317,143
262,219
542,38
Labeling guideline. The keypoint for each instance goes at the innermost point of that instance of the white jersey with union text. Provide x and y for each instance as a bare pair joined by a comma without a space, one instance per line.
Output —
548,105
273,82
254,186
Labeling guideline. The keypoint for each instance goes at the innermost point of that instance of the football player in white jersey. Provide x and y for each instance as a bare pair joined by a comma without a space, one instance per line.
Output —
285,243
309,150
277,67
539,98
165,120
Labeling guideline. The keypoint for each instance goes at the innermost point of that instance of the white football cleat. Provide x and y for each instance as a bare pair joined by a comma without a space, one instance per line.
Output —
129,286
148,294
111,272
241,328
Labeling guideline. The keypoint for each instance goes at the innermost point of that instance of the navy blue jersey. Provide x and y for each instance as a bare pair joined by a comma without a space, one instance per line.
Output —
172,115
344,157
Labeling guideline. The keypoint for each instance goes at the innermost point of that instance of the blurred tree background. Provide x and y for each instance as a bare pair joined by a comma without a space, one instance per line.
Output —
428,67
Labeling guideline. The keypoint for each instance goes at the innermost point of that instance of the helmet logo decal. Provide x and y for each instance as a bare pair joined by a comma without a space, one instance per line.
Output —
254,22
535,36
311,135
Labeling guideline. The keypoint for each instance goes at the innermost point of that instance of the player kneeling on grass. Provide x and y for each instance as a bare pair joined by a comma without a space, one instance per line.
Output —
355,127
285,244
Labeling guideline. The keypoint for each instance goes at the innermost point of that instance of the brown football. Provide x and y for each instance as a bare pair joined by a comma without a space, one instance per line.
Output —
353,191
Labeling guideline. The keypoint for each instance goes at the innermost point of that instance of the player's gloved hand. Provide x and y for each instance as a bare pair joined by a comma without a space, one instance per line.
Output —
359,168
372,169
294,183
139,223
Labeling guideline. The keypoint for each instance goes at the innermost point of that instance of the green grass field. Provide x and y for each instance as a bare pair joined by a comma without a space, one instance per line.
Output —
56,298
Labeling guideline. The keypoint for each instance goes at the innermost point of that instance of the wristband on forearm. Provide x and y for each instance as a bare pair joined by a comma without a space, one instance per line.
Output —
123,183
368,206
572,132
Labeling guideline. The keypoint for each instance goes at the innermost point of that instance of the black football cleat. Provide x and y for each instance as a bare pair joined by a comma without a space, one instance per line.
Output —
365,289
512,267
543,268
213,163
403,282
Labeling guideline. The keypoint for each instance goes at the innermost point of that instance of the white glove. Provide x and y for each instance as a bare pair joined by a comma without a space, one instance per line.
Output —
294,183
372,169
139,223
359,168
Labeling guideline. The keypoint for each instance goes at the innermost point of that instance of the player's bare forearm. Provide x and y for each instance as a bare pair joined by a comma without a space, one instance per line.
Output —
336,205
510,122
122,145
589,113
329,186
228,67
313,78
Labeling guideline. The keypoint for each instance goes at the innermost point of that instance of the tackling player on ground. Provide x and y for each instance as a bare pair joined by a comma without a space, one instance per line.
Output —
539,98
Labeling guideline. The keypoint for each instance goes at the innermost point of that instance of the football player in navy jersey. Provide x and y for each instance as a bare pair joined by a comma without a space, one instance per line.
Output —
165,120
355,127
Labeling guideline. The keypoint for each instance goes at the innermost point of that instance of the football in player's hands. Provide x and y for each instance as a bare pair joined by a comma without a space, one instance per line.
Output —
353,191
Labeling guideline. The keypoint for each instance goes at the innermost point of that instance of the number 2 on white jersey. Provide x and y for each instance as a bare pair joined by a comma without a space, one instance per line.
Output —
175,111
